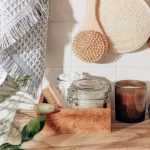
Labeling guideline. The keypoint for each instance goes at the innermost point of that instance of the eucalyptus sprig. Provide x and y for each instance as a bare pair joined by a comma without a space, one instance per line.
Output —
28,132
22,81
13,86
36,124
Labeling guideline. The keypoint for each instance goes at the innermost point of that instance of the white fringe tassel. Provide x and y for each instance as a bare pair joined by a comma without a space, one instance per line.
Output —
23,25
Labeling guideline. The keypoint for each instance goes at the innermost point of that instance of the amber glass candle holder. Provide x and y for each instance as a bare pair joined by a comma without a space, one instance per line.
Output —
130,100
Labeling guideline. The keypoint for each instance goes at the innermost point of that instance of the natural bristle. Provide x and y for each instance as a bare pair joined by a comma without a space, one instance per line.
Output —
51,96
90,45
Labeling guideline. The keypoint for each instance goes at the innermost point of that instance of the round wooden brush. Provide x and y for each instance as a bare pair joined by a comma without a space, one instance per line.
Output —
90,44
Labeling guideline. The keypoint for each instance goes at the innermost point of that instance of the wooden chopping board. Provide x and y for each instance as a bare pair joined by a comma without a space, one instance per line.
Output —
124,136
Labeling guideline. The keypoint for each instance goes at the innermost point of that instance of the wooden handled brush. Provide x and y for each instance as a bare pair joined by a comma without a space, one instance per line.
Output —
53,97
90,44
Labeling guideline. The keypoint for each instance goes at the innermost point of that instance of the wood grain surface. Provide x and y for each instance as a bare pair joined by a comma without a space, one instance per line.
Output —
79,120
123,137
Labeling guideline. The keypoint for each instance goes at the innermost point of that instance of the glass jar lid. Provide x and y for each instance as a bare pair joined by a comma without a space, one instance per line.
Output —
89,84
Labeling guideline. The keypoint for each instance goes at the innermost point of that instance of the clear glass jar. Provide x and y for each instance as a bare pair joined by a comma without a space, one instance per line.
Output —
65,82
88,93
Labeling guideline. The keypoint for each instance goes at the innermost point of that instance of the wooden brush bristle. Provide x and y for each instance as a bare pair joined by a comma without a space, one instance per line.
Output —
90,46
51,97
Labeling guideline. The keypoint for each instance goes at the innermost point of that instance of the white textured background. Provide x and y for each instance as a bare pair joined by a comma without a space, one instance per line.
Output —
64,19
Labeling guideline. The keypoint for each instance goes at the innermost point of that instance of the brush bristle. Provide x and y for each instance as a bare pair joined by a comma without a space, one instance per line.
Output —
50,97
90,46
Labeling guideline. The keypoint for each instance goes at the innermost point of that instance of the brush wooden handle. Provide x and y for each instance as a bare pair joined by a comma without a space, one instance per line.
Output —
90,21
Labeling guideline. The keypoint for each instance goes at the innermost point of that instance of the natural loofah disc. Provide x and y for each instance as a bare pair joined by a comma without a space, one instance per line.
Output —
90,46
126,23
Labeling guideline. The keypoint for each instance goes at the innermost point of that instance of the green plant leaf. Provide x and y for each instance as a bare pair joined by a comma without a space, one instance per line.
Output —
7,146
22,80
32,128
15,85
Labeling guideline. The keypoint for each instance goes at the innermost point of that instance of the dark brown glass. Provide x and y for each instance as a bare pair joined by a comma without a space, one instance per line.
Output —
130,100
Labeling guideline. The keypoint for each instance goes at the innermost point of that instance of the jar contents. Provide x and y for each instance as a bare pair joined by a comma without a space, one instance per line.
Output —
88,93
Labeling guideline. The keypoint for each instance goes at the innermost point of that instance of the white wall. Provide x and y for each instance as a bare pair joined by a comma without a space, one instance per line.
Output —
64,19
